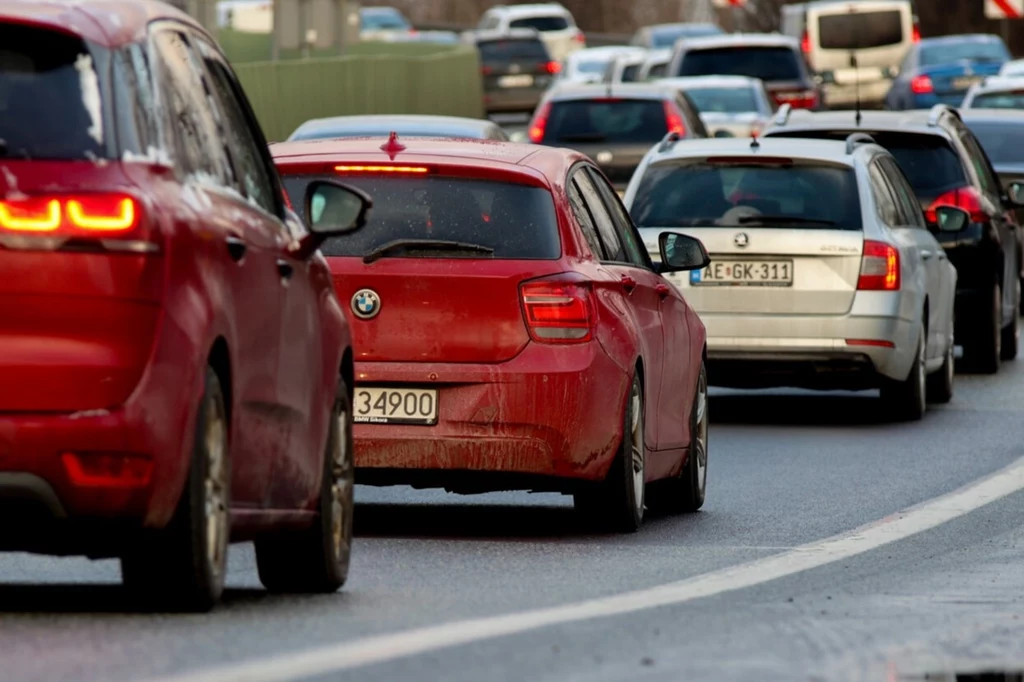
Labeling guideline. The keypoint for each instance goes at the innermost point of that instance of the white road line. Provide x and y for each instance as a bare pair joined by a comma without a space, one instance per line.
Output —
385,648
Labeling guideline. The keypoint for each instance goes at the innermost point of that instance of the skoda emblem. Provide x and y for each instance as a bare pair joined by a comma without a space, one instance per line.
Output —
741,240
365,304
604,157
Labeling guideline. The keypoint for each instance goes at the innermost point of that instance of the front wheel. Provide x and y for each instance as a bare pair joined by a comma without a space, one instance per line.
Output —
686,492
905,400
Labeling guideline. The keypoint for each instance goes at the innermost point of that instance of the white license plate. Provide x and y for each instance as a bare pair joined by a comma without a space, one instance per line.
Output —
965,82
395,406
522,81
750,273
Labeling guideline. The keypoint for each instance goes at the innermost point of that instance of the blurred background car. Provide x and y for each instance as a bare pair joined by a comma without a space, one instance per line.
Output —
877,33
516,69
591,64
554,22
941,70
655,65
625,67
729,106
1012,68
946,166
406,125
614,125
383,23
775,59
997,92
664,36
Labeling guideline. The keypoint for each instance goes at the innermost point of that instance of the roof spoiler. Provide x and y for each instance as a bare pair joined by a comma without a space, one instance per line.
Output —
782,115
857,139
669,141
937,111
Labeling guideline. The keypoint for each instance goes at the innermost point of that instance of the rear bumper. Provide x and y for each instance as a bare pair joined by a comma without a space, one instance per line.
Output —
843,96
553,413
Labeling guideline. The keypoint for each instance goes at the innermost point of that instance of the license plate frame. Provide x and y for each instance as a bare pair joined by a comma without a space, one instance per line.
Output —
764,272
374,405
965,82
521,80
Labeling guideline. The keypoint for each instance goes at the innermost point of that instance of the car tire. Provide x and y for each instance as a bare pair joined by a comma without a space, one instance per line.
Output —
316,560
983,348
617,503
1020,304
183,566
905,400
1010,341
940,383
686,492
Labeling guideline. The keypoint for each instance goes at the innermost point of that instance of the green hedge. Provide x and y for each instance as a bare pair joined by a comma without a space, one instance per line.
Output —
242,47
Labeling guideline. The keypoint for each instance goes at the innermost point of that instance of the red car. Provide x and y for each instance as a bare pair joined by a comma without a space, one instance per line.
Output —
175,370
510,329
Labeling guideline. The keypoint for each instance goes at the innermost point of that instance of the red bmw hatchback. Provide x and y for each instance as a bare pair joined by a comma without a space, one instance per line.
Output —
175,370
510,330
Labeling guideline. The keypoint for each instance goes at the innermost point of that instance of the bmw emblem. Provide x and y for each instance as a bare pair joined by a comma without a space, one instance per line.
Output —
741,240
365,304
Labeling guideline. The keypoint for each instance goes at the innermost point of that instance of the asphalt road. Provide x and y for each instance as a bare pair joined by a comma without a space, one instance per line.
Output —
786,469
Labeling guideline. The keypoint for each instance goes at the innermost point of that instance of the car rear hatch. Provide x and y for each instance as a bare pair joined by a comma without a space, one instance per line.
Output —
510,64
954,80
784,235
81,281
558,34
453,296
879,32
779,66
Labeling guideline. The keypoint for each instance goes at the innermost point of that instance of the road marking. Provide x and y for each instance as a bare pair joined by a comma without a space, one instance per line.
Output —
384,648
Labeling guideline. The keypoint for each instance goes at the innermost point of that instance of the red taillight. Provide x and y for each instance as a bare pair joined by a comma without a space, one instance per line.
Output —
558,311
101,470
805,43
486,70
539,122
415,170
287,201
102,213
552,67
90,215
580,37
878,343
966,198
921,85
879,267
916,35
673,119
803,99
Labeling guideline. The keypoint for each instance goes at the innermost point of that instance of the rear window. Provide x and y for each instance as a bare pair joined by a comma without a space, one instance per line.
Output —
667,37
657,71
1002,142
50,102
630,73
541,23
640,121
948,52
516,221
723,100
529,49
766,63
593,66
711,195
860,30
999,100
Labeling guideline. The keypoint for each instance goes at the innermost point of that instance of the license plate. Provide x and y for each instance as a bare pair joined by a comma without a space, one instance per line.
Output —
521,81
749,273
965,82
395,406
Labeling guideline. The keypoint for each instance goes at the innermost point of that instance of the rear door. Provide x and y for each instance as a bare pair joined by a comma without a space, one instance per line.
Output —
879,32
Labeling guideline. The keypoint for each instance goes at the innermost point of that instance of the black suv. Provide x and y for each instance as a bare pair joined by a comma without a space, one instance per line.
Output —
947,166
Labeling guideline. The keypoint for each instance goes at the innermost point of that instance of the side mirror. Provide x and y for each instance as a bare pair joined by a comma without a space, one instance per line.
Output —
1015,193
951,219
680,252
332,210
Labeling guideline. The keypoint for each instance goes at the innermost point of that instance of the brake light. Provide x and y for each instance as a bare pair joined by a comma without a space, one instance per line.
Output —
879,267
558,310
803,99
966,198
805,43
921,85
486,70
382,169
102,213
30,215
673,120
539,122
552,67
916,35
580,37
81,215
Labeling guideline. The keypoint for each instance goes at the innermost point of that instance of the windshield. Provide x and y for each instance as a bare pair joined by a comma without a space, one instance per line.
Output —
1002,142
860,30
948,52
529,49
723,100
999,100
516,221
50,97
766,63
383,21
705,194
593,66
640,121
541,23
667,37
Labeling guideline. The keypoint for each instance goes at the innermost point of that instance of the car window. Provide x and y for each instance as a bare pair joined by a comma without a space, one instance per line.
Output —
640,121
885,200
631,241
489,22
657,71
860,30
766,63
694,123
907,203
586,222
512,49
724,100
989,182
602,219
1002,141
999,100
950,52
541,23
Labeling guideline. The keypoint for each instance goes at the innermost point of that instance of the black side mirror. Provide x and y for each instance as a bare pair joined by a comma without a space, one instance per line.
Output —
680,252
332,210
951,219
1015,193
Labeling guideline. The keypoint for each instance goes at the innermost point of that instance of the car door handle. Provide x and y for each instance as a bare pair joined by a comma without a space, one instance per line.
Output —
663,290
927,255
236,247
628,284
284,269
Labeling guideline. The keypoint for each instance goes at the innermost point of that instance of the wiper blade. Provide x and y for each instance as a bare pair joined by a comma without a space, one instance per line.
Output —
423,245
782,220
592,137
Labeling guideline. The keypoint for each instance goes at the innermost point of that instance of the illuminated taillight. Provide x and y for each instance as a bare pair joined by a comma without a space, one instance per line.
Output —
805,43
802,99
966,198
539,122
552,67
558,310
103,215
916,35
416,170
879,267
31,214
580,37
921,85
673,120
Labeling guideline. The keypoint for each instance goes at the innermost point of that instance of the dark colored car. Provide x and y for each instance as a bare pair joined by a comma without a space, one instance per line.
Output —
614,124
516,69
942,70
175,370
947,166
775,59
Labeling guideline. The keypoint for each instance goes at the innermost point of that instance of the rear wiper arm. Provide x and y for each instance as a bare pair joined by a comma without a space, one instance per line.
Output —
782,220
423,245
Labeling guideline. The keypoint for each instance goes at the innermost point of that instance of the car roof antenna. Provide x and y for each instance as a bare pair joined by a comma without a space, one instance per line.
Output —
856,86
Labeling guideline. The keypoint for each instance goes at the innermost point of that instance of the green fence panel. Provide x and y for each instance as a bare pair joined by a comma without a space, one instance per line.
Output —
242,47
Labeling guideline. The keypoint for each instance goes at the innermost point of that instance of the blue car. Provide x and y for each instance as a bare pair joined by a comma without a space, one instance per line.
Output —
941,70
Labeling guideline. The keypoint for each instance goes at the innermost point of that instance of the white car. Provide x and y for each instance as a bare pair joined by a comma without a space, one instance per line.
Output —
555,23
823,273
730,106
655,65
998,92
1012,68
591,64
383,23
625,68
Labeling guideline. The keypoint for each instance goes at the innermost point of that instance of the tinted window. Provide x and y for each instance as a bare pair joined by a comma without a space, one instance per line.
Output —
579,209
630,73
512,50
766,63
639,121
985,174
541,23
885,200
602,219
948,52
515,220
50,103
904,193
860,30
624,225
723,100
1002,141
999,100
657,71
686,195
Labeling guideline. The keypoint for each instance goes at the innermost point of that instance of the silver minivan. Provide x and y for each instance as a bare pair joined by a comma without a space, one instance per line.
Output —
877,32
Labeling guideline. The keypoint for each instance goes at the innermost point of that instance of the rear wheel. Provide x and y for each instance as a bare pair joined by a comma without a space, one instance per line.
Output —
905,400
617,503
1011,333
983,343
686,492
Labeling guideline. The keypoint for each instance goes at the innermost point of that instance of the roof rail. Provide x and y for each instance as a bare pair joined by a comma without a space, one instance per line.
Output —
858,139
782,115
669,141
936,112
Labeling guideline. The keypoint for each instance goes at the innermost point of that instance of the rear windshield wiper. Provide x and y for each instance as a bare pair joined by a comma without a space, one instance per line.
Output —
591,137
423,245
782,220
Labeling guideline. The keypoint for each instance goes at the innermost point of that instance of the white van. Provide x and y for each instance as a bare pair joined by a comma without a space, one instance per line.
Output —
878,32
